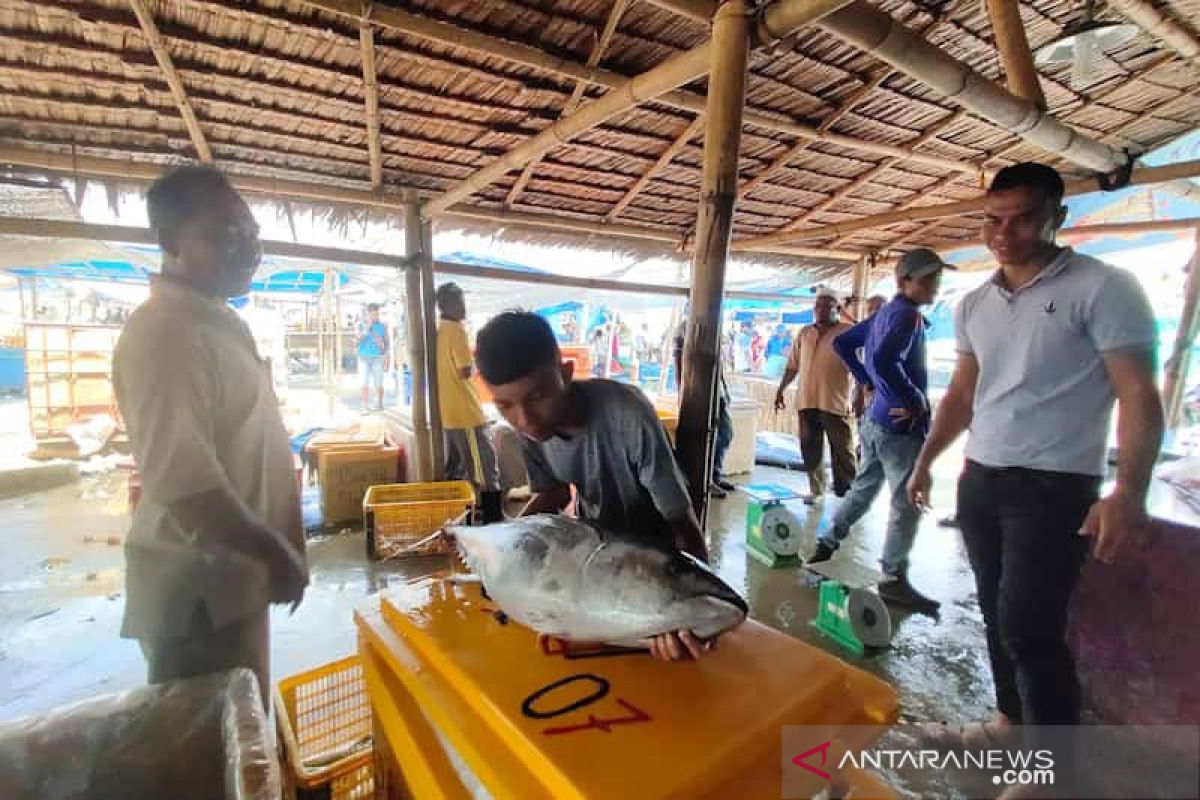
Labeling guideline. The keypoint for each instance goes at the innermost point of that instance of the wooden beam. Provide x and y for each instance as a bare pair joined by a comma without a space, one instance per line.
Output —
467,38
714,228
698,10
878,34
433,390
1176,367
275,189
1176,35
668,155
871,174
1140,177
163,56
1009,32
602,42
680,69
781,162
419,367
366,38
70,229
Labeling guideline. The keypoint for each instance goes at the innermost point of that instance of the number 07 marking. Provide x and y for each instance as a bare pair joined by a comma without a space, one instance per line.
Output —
636,715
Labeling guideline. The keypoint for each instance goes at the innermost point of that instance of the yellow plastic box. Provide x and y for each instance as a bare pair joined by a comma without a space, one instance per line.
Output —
401,514
323,721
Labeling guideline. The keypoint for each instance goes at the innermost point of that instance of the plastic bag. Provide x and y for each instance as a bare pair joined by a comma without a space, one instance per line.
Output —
205,737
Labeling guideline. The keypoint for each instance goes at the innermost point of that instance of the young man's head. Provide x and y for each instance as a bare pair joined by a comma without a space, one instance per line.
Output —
874,303
919,275
825,307
208,236
372,313
518,358
1023,211
451,303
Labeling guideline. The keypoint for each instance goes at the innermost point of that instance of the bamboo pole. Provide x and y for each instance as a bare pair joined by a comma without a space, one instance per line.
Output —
437,449
163,56
1176,368
871,174
1174,34
366,38
666,158
602,42
132,171
69,229
698,10
779,15
875,32
1009,33
1140,177
675,71
862,284
414,312
714,227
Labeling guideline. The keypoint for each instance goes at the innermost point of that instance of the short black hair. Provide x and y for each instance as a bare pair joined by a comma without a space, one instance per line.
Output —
445,292
372,306
513,345
1030,173
176,196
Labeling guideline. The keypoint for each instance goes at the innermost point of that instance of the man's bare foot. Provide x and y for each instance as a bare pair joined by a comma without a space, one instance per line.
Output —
996,733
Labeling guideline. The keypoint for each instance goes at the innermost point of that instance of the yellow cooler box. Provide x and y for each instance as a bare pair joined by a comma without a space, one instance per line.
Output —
528,719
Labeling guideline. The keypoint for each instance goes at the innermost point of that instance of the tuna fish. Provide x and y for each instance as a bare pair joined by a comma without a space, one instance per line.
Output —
571,579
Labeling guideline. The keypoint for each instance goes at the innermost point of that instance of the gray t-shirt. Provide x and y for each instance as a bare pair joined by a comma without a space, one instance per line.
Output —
620,464
1044,400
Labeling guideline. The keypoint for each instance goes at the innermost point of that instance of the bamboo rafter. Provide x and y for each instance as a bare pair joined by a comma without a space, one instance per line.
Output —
871,174
668,155
163,56
602,42
424,27
371,97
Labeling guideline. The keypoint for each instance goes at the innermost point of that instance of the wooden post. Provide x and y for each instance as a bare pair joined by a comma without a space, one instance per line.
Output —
1009,33
414,311
862,284
714,226
1176,370
437,445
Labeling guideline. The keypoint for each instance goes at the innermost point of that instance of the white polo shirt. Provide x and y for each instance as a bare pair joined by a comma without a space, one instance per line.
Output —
1043,399
201,414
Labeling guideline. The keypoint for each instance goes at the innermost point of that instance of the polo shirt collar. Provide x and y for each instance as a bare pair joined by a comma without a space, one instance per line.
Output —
1056,266
175,291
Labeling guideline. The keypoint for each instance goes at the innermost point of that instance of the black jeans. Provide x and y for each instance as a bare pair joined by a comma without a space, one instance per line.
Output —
1021,529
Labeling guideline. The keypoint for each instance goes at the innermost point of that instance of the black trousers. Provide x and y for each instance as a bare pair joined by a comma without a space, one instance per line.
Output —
1021,529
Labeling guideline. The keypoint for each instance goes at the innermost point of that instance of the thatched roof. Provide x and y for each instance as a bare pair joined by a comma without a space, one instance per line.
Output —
277,89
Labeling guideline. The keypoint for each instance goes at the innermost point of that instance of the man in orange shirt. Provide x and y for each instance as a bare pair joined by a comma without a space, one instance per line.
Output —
822,399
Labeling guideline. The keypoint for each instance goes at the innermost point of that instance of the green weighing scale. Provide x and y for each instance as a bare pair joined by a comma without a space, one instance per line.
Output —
848,609
772,530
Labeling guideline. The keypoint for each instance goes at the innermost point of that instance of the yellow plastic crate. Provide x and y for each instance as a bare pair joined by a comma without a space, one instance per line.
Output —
400,514
323,719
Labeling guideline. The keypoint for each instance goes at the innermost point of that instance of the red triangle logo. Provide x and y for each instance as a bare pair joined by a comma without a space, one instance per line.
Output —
802,759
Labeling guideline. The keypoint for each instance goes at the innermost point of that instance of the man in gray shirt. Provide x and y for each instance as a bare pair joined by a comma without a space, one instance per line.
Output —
600,437
1045,347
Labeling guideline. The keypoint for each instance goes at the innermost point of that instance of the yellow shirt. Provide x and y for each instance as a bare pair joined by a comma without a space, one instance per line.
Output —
456,397
823,376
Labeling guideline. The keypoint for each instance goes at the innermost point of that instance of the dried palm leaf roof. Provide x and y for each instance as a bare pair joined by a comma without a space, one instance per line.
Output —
277,88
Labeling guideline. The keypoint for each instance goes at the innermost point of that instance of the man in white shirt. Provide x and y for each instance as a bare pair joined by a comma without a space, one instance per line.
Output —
1045,347
217,535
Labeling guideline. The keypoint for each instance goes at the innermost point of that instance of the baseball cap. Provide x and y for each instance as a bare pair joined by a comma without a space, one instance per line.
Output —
825,291
919,262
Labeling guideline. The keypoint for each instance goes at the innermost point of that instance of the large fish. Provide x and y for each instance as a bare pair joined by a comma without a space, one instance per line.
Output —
571,579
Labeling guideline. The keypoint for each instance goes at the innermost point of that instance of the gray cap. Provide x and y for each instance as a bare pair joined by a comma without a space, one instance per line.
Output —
919,262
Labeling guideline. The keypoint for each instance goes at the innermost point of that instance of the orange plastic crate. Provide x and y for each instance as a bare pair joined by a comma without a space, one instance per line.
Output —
323,719
400,514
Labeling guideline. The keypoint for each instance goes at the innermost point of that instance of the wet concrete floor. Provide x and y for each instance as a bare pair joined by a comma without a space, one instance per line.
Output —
61,599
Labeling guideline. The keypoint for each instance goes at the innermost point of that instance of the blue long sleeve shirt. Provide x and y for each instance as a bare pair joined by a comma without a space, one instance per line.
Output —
892,342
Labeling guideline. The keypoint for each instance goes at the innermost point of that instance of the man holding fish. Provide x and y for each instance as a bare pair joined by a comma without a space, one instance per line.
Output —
599,437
